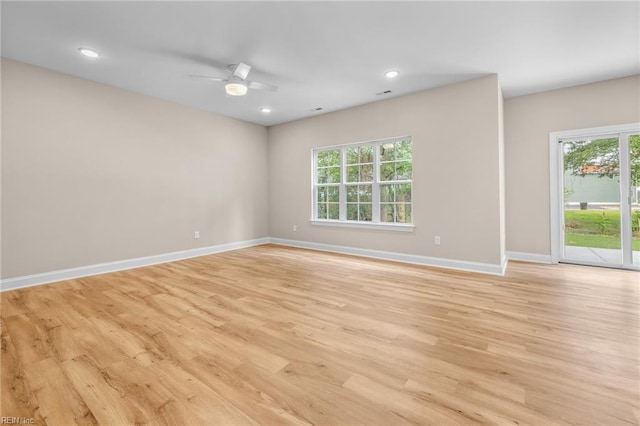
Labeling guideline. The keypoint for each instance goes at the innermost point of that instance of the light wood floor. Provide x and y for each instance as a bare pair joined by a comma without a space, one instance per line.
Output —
272,335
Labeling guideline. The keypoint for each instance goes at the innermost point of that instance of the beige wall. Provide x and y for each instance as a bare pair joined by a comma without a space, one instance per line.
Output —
528,122
92,174
455,132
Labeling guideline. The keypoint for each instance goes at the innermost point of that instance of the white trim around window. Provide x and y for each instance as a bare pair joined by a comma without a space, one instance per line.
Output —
401,227
367,185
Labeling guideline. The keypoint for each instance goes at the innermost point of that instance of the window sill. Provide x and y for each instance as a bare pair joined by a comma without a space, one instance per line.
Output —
399,227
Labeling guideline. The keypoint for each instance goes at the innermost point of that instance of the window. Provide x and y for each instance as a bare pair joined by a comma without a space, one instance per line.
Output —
364,183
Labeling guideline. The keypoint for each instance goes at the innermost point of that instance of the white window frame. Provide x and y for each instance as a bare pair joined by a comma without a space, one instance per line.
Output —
375,222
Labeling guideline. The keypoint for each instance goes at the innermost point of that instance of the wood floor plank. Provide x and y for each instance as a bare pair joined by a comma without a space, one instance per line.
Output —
16,395
255,402
319,402
405,405
52,390
29,339
200,399
274,335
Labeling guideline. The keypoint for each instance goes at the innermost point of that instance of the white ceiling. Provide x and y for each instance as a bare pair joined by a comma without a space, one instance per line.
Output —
324,54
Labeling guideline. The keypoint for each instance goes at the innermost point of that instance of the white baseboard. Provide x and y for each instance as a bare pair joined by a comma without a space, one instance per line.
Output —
529,257
505,263
485,268
102,268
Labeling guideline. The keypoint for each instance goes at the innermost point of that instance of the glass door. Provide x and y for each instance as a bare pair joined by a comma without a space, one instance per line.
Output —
600,208
592,225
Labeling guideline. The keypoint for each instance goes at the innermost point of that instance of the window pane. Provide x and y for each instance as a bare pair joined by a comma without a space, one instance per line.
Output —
403,170
334,211
322,175
387,193
400,170
364,211
387,171
364,191
333,157
387,152
398,213
321,194
366,173
352,173
352,194
352,211
352,155
333,175
322,158
395,193
322,211
333,194
386,213
329,158
403,193
329,175
403,150
403,213
366,154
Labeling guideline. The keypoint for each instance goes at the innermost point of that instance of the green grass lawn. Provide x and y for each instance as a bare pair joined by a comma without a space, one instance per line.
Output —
589,228
587,220
597,241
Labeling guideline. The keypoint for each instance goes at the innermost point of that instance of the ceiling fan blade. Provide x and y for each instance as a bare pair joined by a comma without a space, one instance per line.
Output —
242,71
262,86
205,77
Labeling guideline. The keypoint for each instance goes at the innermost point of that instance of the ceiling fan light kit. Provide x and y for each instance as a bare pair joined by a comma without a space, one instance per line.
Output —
236,89
237,84
89,53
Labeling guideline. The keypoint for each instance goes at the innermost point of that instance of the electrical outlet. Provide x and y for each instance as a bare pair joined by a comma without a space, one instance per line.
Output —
436,240
295,228
196,234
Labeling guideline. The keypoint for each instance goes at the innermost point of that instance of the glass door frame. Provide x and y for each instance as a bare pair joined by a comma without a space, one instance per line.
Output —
556,168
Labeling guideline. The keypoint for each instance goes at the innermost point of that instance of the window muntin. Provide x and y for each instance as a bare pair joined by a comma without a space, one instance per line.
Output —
365,182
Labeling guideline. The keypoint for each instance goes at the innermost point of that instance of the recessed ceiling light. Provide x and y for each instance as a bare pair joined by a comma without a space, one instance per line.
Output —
391,74
89,53
266,110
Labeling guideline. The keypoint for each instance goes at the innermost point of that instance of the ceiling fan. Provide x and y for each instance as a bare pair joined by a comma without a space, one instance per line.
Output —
237,83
